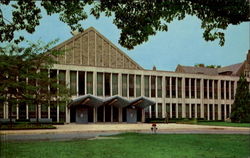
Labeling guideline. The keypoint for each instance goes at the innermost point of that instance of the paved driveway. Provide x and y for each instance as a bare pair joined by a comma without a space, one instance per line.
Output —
84,131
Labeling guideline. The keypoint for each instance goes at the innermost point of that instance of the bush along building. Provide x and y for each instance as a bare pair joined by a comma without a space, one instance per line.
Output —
106,85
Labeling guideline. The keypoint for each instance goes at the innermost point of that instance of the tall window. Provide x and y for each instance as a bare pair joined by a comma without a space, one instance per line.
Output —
159,86
179,110
100,84
187,87
205,88
187,111
179,87
216,111
124,85
167,87
153,86
222,89
107,84
210,89
159,110
198,88
53,74
192,88
90,82
173,87
73,82
205,112
1,109
227,89
198,110
114,84
146,85
168,110
232,89
193,110
173,110
81,82
138,85
216,89
153,111
131,85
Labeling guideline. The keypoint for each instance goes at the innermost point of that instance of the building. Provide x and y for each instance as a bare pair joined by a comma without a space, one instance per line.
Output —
108,86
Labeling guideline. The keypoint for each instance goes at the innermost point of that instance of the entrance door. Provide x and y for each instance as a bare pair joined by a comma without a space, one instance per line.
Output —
81,115
131,115
22,111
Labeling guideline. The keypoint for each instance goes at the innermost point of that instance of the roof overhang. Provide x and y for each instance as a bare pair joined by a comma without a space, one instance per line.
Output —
117,101
88,100
141,102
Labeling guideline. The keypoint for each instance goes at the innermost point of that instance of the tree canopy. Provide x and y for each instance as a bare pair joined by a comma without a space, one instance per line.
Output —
137,20
241,105
25,75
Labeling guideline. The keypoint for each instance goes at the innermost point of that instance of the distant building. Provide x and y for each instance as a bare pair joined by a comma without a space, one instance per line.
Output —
108,86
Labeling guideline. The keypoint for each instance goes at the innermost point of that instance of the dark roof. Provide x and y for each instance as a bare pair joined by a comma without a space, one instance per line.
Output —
117,101
88,100
141,102
199,70
210,71
233,68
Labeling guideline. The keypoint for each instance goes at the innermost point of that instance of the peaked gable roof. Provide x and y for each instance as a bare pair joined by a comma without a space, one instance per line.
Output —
91,48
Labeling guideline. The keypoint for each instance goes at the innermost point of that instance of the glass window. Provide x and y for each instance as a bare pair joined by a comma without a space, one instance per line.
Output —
159,110
90,82
146,86
216,89
187,87
114,84
159,86
173,87
167,87
81,82
179,110
210,89
100,84
179,87
62,77
187,111
192,88
232,89
205,88
53,77
131,85
124,85
173,110
198,88
222,89
138,85
153,88
73,82
107,84
153,111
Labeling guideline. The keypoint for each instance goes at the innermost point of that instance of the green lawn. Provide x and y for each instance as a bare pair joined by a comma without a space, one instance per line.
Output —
230,124
132,145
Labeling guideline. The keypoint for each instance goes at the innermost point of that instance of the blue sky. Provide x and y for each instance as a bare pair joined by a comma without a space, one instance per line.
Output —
182,44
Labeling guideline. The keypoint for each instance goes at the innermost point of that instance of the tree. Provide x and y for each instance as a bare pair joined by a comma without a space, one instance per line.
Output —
26,78
207,66
241,105
137,20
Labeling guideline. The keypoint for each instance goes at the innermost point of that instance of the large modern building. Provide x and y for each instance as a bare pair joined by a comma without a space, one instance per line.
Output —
108,86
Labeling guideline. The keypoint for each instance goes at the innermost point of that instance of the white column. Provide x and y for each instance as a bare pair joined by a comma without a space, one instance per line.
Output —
128,85
120,84
17,111
94,83
208,111
176,88
170,87
208,89
225,111
4,110
213,112
190,110
225,92
195,110
171,110
183,97
67,115
49,111
195,88
77,83
202,97
219,111
27,111
7,110
189,88
142,86
230,90
111,85
39,111
163,96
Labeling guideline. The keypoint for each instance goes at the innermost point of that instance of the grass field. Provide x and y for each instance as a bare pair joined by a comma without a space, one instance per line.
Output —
132,145
230,124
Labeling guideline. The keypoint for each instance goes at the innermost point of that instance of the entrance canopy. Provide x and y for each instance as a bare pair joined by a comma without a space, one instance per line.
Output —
117,101
141,102
88,100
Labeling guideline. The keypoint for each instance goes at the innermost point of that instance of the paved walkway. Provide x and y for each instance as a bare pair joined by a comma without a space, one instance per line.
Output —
87,131
139,127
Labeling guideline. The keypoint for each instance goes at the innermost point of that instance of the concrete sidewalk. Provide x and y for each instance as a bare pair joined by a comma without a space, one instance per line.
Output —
125,127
